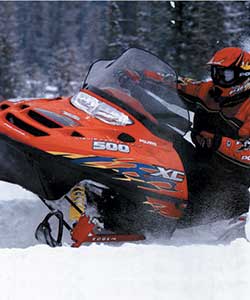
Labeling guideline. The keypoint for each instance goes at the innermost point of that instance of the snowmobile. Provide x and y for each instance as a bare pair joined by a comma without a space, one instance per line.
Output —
110,151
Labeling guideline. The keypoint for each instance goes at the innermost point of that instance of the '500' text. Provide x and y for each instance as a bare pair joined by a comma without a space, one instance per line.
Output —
109,146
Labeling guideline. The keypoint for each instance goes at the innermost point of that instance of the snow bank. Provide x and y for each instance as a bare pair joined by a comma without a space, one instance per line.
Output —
128,271
13,191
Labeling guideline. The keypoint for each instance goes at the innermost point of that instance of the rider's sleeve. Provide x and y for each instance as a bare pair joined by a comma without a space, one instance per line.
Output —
237,152
192,91
244,115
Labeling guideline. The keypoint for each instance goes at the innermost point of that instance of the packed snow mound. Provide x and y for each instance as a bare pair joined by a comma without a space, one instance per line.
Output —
11,191
128,271
21,212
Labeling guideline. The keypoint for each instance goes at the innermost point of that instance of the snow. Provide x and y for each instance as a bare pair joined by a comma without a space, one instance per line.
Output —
245,43
172,3
127,272
30,271
51,88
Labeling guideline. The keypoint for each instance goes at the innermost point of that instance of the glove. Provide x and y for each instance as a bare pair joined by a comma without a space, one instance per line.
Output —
184,80
207,140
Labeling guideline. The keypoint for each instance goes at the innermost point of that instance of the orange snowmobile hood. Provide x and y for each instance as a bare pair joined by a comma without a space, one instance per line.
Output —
29,123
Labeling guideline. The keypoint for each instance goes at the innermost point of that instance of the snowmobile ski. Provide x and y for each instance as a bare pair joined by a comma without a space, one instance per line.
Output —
44,232
82,232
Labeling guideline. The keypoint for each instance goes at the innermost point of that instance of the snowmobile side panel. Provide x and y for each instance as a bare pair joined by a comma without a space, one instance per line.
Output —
35,170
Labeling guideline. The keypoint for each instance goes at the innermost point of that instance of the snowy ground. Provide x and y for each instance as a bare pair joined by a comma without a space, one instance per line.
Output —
30,271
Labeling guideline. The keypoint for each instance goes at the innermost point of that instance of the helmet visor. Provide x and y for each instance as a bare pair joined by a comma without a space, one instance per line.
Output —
224,76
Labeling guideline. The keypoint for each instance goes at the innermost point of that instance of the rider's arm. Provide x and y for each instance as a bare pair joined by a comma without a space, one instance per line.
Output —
244,131
244,115
192,91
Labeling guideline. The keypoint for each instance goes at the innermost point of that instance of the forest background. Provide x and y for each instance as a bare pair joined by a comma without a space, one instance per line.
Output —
46,47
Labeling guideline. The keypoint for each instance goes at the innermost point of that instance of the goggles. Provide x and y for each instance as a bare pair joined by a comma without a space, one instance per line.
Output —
224,77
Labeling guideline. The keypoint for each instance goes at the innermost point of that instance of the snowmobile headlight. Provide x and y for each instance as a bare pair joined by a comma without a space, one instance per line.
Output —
100,110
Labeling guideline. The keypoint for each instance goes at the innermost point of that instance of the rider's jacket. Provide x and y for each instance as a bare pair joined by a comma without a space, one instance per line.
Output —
221,118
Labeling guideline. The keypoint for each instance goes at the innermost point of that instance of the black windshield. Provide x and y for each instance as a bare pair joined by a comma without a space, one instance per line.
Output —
145,84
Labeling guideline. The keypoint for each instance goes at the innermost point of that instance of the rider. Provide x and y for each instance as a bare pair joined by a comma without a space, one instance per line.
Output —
228,92
221,109
218,167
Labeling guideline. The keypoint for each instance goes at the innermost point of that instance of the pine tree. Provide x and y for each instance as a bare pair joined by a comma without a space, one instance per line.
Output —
143,24
161,24
199,30
10,59
114,30
67,61
237,23
55,42
122,27
93,43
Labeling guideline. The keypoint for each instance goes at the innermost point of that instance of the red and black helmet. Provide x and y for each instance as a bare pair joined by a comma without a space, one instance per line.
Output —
230,66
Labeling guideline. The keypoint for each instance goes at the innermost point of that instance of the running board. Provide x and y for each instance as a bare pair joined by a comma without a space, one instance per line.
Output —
109,238
83,232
